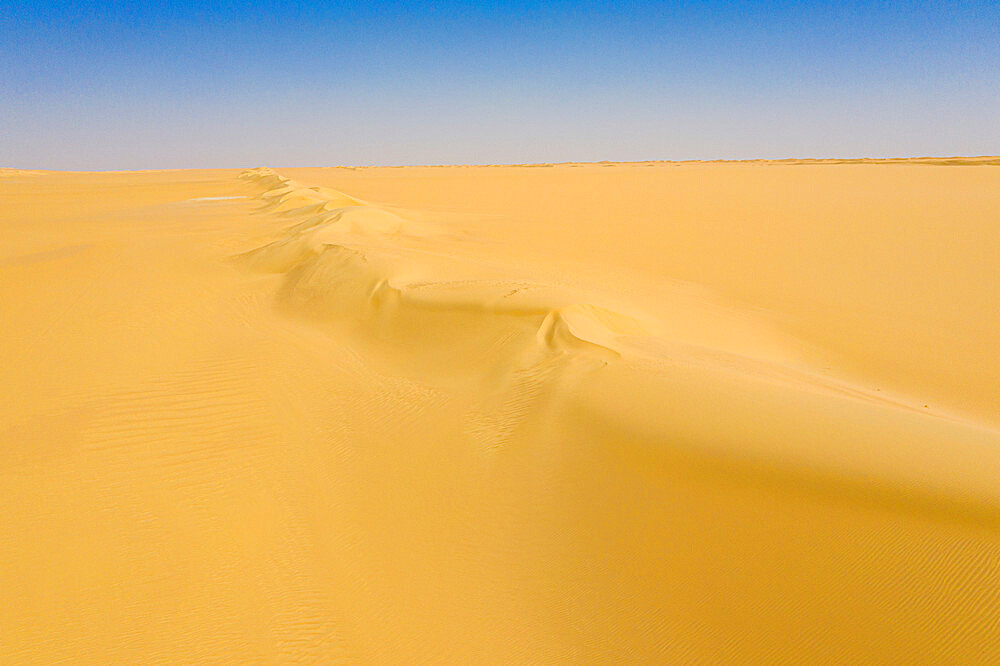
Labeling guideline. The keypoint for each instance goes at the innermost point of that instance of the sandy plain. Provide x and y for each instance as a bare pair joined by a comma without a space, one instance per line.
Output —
655,412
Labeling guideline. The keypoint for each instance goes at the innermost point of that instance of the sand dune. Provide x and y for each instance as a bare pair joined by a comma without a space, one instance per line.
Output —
651,412
387,275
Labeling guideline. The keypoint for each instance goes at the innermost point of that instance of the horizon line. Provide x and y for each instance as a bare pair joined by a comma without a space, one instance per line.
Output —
985,160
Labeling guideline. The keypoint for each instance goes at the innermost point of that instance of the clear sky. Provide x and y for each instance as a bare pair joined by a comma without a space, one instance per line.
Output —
130,85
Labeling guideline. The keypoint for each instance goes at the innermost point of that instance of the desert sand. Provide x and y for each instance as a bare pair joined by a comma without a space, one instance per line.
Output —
648,412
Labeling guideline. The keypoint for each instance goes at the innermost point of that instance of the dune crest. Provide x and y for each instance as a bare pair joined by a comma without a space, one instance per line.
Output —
384,277
353,261
402,293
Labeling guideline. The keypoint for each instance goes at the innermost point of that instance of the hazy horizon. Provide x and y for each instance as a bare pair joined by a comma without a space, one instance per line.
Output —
110,87
443,165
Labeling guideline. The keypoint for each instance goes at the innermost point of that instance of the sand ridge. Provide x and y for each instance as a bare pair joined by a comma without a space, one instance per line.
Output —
343,254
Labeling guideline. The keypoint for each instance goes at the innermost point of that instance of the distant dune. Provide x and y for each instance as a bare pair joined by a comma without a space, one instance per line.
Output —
647,412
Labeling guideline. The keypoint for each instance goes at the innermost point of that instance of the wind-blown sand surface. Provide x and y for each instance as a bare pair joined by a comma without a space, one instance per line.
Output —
635,412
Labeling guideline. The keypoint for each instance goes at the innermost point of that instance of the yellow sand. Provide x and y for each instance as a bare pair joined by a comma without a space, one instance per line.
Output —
584,412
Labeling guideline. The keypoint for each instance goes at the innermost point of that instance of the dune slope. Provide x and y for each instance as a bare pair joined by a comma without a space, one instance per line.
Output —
635,412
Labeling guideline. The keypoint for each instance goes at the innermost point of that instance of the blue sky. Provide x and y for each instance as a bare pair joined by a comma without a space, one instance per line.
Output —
113,85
